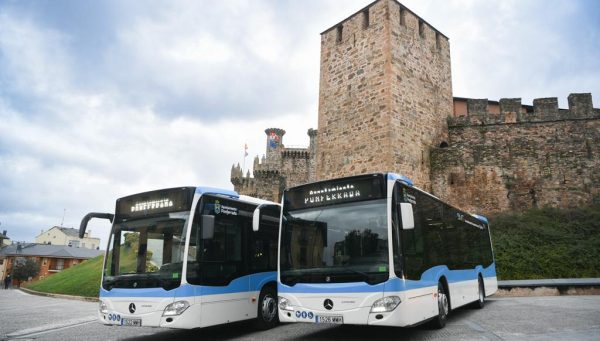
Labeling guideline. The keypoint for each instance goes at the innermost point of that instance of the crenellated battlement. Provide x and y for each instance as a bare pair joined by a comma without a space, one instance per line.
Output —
513,112
376,16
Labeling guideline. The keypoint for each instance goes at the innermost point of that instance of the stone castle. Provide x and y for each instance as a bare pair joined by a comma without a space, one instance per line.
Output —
385,104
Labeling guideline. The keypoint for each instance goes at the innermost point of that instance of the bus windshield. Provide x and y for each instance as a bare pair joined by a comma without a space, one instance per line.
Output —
146,253
335,244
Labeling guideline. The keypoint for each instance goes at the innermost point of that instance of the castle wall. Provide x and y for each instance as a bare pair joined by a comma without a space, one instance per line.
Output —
513,160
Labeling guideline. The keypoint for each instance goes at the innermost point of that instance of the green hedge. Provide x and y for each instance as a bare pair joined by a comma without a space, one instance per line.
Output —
547,243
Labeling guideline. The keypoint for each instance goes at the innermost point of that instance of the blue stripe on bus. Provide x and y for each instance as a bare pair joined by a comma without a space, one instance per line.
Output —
249,283
212,190
429,278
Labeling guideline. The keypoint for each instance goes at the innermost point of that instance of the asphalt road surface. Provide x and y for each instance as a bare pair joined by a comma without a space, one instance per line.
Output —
29,317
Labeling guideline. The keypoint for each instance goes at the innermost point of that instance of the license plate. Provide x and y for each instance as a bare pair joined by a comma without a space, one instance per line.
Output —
131,322
330,319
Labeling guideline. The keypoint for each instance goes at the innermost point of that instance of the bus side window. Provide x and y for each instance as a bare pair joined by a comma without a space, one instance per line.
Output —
452,230
431,217
486,247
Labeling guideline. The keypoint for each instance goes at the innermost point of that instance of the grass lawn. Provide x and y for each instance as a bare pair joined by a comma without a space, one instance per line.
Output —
82,279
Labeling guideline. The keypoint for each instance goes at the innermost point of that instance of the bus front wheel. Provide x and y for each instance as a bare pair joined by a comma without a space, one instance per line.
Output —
443,307
267,309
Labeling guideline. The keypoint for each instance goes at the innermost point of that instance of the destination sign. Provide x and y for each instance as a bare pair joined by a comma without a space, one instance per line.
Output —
335,192
155,202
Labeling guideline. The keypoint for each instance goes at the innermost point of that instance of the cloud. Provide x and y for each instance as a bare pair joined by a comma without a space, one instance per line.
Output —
519,49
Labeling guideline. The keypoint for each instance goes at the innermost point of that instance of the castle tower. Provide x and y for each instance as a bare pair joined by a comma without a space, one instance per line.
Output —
274,145
385,94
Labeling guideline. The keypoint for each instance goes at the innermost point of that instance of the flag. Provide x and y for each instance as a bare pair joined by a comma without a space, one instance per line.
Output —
245,149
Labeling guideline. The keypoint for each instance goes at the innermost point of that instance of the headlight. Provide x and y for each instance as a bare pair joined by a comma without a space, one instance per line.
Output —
176,308
284,304
103,308
388,303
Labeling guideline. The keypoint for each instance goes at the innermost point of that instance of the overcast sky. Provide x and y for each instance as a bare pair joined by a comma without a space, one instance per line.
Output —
102,99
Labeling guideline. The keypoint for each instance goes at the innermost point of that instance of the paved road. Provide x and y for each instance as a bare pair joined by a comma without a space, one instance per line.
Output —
29,317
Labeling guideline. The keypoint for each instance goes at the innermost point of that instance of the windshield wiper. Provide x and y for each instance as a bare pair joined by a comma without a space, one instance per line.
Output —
366,277
291,279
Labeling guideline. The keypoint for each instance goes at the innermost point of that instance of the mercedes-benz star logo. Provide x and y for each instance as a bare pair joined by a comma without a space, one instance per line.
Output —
328,304
132,308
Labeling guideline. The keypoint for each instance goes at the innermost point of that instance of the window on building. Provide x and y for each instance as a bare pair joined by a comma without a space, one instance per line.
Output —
57,264
340,29
438,42
421,28
365,18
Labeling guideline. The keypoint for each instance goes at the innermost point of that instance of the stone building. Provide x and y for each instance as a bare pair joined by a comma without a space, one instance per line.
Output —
385,104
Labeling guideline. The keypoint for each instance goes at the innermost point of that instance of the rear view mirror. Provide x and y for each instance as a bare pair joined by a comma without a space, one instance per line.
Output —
408,220
256,219
256,216
208,226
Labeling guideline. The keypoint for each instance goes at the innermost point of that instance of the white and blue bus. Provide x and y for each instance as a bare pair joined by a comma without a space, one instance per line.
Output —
374,249
190,257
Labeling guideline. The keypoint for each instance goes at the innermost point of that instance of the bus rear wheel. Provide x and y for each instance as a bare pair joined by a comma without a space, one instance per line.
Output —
267,309
443,308
480,303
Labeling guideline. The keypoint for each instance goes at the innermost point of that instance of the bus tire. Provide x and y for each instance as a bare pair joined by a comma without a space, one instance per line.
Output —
443,302
480,303
268,316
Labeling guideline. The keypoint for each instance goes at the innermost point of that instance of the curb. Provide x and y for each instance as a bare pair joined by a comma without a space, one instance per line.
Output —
548,287
69,297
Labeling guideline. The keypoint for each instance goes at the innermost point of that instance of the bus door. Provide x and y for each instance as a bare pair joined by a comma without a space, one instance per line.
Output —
224,230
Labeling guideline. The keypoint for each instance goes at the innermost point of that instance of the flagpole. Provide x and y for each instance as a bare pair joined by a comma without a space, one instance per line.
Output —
245,154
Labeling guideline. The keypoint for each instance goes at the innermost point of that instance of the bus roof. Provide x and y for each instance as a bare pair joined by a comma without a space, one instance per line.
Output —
257,201
394,176
213,190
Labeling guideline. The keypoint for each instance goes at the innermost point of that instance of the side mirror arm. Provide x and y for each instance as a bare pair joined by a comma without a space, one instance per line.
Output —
89,216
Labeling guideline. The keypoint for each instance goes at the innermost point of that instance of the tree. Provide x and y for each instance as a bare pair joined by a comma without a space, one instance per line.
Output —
24,270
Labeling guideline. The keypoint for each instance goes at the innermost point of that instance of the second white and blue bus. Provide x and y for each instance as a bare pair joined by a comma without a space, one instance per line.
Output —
189,257
376,250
